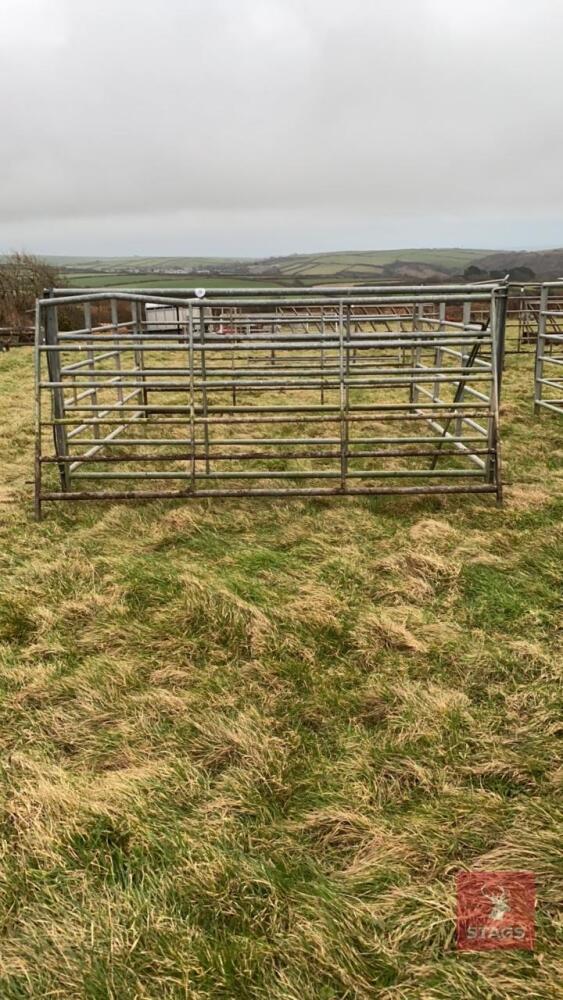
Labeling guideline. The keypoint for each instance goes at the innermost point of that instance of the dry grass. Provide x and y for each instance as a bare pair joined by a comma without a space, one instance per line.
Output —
246,746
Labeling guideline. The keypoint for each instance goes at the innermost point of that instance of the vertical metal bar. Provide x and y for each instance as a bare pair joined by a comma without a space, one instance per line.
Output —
521,321
438,353
138,353
37,415
464,359
493,466
273,351
192,392
540,350
501,302
418,313
343,401
204,386
114,323
91,365
233,369
322,356
57,394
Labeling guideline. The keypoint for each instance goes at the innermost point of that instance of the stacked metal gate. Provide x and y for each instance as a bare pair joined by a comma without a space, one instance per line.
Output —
337,392
549,350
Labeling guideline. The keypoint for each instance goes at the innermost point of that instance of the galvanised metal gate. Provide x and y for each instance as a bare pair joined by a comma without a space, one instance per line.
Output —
237,393
549,350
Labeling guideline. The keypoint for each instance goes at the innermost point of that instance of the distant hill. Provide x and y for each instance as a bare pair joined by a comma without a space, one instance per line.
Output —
342,267
545,264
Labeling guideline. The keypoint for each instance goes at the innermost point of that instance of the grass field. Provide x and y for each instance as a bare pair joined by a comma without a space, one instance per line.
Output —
293,264
246,745
158,281
364,265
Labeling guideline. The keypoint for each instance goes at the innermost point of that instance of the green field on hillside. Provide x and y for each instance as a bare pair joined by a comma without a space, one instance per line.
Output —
247,745
101,280
351,266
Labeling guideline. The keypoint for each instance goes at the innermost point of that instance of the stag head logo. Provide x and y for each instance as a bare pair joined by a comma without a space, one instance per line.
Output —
500,904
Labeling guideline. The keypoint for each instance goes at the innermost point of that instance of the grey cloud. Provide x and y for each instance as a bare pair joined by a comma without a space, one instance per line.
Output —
262,126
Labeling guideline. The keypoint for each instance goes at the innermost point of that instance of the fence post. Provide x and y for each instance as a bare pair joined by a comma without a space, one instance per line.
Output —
138,353
540,348
343,401
58,406
502,301
39,340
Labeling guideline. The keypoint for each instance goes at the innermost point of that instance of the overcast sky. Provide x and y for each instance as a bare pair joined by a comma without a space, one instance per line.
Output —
257,127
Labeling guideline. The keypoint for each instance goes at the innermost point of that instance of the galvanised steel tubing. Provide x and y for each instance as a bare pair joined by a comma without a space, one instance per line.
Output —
37,415
58,403
430,341
289,474
284,333
90,352
265,419
115,324
237,442
499,303
100,443
540,350
248,455
338,291
474,327
203,385
449,296
242,341
355,379
280,320
81,364
462,385
556,405
308,370
96,329
177,408
116,496
328,381
192,393
498,333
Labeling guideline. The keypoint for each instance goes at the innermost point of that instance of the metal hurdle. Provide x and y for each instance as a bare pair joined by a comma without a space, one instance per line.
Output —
548,394
341,392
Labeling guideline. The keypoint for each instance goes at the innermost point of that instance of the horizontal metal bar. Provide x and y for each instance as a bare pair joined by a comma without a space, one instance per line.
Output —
550,360
241,494
249,455
358,381
317,418
398,296
555,405
368,339
338,291
90,455
273,371
554,383
213,442
290,474
69,369
292,410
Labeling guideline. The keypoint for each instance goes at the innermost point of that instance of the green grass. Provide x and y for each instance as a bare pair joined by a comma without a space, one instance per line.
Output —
157,281
247,745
